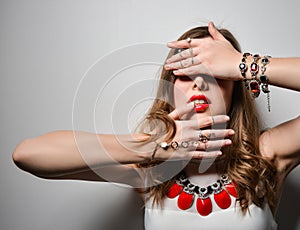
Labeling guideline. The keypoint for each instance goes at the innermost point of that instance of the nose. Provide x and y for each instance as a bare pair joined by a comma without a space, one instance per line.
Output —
200,83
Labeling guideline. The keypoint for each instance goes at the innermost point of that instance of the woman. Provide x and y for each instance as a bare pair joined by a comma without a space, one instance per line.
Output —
200,159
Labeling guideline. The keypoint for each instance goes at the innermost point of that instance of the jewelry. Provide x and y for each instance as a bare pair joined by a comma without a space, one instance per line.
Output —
180,54
189,40
192,54
264,79
203,138
185,144
187,192
243,68
254,84
182,66
154,152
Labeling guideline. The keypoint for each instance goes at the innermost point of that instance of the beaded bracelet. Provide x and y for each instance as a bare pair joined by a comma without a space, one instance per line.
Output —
264,79
243,68
254,84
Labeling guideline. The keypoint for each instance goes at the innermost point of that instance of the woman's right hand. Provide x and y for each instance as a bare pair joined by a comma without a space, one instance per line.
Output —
191,131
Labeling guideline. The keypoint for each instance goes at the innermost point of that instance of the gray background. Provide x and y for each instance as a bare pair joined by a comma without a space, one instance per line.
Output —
46,47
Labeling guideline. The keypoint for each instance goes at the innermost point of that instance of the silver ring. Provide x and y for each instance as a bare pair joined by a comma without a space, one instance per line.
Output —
212,136
180,54
191,52
200,134
182,66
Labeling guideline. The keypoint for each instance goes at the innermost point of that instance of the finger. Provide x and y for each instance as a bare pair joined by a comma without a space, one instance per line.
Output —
181,55
205,154
216,35
207,121
214,133
177,113
191,70
183,64
181,44
213,145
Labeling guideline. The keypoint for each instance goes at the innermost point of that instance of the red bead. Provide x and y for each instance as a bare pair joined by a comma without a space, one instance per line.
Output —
254,86
231,189
204,206
174,190
223,199
185,200
254,68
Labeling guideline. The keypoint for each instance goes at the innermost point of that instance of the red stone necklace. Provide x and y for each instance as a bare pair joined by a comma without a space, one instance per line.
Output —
188,192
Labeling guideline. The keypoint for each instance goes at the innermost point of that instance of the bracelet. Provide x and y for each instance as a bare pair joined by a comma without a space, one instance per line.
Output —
254,84
243,68
264,79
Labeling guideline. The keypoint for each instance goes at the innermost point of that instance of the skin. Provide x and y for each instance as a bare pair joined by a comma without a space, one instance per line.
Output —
216,56
71,155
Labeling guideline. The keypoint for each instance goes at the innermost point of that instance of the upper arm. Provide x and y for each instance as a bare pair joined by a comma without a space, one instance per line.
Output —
281,145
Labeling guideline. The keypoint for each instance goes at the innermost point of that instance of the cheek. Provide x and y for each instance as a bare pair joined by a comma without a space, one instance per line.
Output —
180,97
227,91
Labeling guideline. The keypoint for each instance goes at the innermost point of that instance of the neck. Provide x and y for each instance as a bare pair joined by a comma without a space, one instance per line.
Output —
205,172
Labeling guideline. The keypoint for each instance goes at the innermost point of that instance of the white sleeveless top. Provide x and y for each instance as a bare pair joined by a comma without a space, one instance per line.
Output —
171,217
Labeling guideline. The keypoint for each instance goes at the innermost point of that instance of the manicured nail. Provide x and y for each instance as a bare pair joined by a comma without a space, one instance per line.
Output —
228,142
167,67
231,132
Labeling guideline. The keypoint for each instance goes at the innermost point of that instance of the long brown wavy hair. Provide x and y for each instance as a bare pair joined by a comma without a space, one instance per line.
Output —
253,175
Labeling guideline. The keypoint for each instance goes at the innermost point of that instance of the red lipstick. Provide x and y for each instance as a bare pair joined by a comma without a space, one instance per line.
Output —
200,102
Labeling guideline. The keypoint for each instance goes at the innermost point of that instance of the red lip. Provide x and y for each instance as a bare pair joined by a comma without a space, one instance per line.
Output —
201,107
198,97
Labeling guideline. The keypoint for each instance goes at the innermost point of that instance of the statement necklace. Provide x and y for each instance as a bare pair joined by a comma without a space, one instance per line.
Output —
187,192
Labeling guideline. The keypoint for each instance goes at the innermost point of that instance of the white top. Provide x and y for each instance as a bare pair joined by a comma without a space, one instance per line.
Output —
171,217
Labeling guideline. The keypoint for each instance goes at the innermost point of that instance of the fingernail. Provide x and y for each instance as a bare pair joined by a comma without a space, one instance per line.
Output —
167,67
231,132
176,72
227,118
219,153
228,142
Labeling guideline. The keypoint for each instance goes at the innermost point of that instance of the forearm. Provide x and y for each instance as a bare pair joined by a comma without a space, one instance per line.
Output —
64,152
281,72
284,72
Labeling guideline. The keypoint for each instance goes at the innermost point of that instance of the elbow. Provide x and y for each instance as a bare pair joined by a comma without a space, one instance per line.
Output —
23,157
20,154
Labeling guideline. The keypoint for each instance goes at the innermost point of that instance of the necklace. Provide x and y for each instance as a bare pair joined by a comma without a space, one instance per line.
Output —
220,191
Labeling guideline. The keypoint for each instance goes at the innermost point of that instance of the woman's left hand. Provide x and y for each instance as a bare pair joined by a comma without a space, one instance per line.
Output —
214,56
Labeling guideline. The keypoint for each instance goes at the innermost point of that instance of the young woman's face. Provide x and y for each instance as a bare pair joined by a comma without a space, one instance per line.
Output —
210,96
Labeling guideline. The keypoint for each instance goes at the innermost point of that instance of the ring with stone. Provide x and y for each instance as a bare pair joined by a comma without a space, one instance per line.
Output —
203,138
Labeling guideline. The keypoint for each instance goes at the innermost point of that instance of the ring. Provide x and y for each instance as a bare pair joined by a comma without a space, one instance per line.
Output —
212,135
203,138
189,40
205,146
182,66
191,52
180,54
